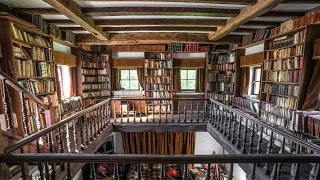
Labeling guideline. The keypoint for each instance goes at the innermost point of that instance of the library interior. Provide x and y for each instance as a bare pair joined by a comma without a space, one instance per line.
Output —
160,89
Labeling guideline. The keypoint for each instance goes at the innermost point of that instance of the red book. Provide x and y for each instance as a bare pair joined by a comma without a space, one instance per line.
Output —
296,76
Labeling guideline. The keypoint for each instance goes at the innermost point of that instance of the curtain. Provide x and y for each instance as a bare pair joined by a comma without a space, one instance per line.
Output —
73,81
140,72
245,81
115,78
200,81
176,80
313,93
158,142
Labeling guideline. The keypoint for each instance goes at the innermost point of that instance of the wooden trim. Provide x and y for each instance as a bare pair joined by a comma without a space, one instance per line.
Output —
72,10
125,63
66,43
189,63
316,49
65,59
240,2
247,14
251,45
252,59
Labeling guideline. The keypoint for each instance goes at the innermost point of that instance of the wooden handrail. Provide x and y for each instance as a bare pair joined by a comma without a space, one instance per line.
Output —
11,82
157,159
158,99
49,129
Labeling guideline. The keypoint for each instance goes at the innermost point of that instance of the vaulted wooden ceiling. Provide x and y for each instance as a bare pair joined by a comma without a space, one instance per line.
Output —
163,21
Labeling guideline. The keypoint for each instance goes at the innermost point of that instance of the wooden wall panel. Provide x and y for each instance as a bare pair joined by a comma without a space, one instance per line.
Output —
189,63
137,48
61,58
316,49
252,60
128,63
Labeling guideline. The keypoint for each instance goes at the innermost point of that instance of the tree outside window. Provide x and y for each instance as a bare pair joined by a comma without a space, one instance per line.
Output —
129,79
188,79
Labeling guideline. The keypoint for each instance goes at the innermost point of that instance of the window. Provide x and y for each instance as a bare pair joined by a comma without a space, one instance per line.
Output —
129,79
188,79
256,74
64,81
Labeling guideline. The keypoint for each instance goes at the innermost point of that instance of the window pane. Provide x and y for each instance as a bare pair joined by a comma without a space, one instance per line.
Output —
256,87
184,74
133,74
191,74
183,84
257,74
124,74
125,84
134,84
191,84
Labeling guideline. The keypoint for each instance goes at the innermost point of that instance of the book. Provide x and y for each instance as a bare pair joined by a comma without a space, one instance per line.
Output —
247,104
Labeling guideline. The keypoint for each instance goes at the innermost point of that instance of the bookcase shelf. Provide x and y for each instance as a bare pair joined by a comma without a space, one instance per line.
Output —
158,76
220,75
94,67
291,61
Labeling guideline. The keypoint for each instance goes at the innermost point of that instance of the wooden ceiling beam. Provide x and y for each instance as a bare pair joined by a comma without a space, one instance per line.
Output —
155,38
49,11
247,14
239,2
73,11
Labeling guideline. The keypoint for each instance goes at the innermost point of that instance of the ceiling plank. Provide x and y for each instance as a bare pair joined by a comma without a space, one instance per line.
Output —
72,10
301,2
50,11
247,14
155,38
240,2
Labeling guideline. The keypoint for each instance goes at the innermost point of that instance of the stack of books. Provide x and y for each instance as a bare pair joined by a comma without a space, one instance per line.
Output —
175,47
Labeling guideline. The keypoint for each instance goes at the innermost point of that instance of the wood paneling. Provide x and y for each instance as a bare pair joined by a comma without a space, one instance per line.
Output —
137,48
316,49
126,63
252,60
65,59
189,63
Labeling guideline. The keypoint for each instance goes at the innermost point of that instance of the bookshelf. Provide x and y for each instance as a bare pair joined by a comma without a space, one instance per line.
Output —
94,70
286,74
29,60
158,80
221,68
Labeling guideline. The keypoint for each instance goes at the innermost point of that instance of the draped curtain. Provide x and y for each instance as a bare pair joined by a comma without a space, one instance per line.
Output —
313,95
73,81
115,78
200,81
245,81
140,72
158,142
176,80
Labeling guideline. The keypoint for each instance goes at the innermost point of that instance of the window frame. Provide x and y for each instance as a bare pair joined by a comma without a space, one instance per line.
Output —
138,88
61,79
195,80
255,68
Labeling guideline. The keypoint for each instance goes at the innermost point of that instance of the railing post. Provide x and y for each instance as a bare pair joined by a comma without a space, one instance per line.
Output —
82,145
166,115
243,149
191,120
24,169
208,176
234,119
92,171
269,151
115,112
24,115
317,172
153,106
75,138
239,133
69,174
115,172
252,175
140,111
204,112
134,111
230,125
185,111
251,137
60,146
7,106
198,116
40,165
230,173
160,111
172,111
139,176
178,111
185,172
222,121
162,173
295,168
226,121
128,107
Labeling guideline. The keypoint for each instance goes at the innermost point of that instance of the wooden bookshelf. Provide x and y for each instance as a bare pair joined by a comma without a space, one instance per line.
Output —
93,67
286,74
220,76
29,60
158,80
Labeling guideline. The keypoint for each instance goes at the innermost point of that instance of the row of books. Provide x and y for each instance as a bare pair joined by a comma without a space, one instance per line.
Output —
69,104
104,57
191,48
29,38
310,122
283,76
284,64
95,79
88,64
278,111
39,22
158,87
259,35
42,54
101,93
220,77
286,102
54,31
158,72
286,53
93,48
246,104
68,36
93,71
158,64
283,122
221,97
31,107
281,89
297,38
38,86
158,55
25,68
175,47
44,69
220,59
228,87
20,52
159,94
229,67
95,86
160,80
85,56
